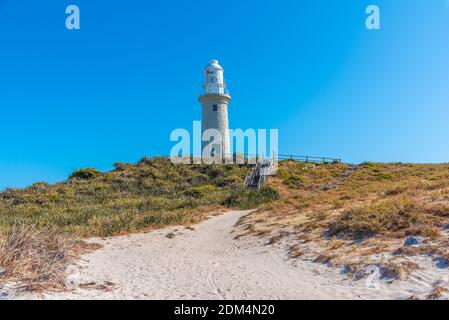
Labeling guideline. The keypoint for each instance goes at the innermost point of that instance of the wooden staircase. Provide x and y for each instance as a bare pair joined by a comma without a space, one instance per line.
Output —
260,173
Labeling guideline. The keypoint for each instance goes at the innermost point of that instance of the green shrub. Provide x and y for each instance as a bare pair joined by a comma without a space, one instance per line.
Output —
152,193
120,166
293,180
85,174
197,178
290,178
200,191
383,176
231,180
243,198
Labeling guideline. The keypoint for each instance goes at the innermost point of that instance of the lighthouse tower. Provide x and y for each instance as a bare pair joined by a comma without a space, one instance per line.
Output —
215,101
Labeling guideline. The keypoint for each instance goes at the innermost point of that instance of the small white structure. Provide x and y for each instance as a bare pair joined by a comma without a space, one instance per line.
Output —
215,101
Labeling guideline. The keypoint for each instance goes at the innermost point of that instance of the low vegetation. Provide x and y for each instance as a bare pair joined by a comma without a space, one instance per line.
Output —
35,258
339,212
150,194
336,213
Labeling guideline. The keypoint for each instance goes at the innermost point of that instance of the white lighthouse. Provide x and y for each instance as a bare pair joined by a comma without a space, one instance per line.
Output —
215,101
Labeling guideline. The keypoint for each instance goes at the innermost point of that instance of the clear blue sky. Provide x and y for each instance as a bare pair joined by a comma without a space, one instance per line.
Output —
114,90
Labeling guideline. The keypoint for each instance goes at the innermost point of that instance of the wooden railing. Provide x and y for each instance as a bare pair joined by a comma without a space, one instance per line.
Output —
301,158
308,158
279,157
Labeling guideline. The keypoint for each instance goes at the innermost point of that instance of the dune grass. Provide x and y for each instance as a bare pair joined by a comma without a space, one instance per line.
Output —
370,199
346,211
150,194
38,224
368,208
35,258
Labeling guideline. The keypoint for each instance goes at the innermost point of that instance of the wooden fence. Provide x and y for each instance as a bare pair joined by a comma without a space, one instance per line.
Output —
300,158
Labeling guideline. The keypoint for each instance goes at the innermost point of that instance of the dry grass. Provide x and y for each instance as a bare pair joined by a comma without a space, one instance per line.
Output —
342,212
393,217
150,194
390,270
36,259
106,286
38,223
437,292
295,251
338,212
398,270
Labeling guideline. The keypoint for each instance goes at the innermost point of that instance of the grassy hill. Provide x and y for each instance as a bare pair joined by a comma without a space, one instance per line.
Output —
41,226
337,213
149,194
347,213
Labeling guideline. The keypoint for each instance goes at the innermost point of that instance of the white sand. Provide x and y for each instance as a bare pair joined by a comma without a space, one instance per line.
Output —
208,263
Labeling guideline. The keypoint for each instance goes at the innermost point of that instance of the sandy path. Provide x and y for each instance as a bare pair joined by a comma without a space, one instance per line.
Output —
208,263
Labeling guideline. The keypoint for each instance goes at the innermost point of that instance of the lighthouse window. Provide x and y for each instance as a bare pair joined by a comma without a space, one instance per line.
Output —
214,107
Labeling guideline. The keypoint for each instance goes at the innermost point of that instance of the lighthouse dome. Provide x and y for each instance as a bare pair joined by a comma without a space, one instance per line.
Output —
213,65
214,82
